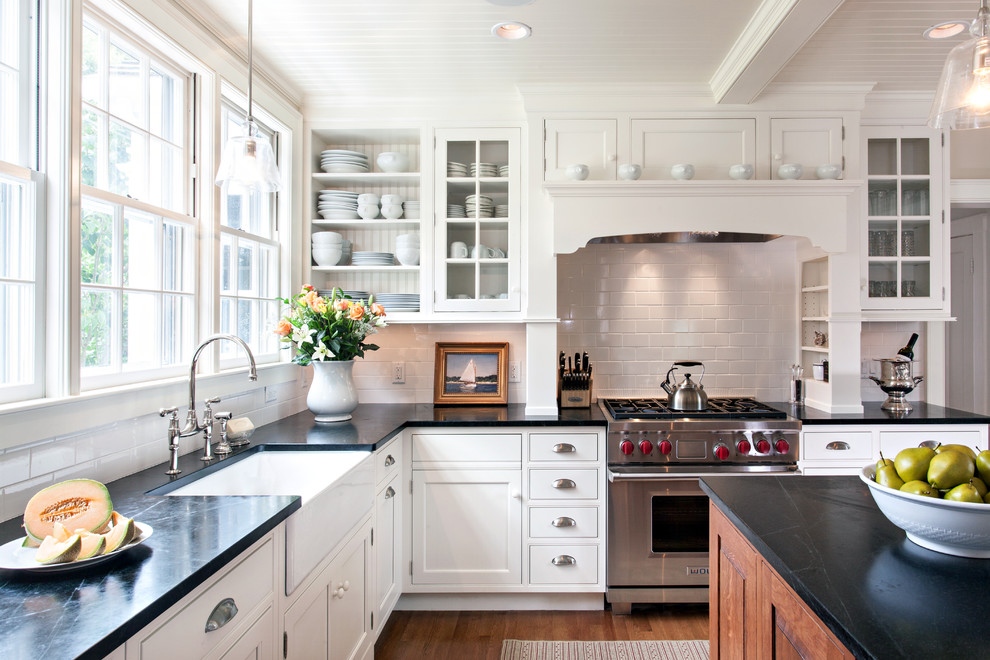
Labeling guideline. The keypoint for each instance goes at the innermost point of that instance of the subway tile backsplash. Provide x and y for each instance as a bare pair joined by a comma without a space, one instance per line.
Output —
638,308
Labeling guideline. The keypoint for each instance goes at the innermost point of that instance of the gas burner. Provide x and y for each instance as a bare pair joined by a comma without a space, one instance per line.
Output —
718,408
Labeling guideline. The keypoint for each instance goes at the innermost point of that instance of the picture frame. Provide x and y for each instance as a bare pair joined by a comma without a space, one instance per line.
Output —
471,373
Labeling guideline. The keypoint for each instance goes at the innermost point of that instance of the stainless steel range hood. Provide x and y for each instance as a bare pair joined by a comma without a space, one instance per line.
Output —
824,212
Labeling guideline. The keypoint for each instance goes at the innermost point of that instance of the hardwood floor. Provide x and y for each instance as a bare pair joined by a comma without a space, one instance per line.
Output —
469,635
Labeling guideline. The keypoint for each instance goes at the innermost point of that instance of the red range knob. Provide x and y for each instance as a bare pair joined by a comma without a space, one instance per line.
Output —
782,446
722,452
664,447
763,446
743,446
627,447
646,447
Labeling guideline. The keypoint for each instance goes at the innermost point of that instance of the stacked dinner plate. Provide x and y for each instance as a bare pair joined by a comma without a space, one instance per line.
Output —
501,210
342,161
456,211
355,295
503,170
372,258
480,206
410,210
483,169
338,205
456,169
398,302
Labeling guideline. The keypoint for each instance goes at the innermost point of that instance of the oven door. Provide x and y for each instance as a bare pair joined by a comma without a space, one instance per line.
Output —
657,531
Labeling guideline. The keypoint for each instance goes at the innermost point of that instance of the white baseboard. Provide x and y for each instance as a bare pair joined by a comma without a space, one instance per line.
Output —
501,602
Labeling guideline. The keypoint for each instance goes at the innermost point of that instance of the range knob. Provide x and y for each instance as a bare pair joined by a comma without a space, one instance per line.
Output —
743,447
762,444
664,447
627,447
646,447
721,451
782,446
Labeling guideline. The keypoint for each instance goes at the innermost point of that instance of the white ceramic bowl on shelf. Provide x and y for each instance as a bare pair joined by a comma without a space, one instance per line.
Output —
790,171
577,172
392,211
327,238
407,256
629,171
327,256
392,161
952,528
828,171
682,171
741,172
368,211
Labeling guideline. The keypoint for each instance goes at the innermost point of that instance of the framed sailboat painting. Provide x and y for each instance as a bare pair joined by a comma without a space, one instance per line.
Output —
471,373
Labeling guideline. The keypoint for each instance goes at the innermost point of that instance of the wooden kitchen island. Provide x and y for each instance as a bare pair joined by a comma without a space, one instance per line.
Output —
808,567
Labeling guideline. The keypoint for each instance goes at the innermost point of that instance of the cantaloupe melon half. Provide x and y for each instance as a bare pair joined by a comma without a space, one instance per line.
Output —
92,545
77,504
120,534
53,551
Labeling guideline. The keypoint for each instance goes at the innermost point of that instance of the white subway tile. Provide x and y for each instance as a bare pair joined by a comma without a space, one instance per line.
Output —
15,465
54,456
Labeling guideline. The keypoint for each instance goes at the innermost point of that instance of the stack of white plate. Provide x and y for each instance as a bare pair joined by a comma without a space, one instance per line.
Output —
456,169
338,205
398,302
484,169
355,295
410,210
480,206
372,259
342,161
456,211
503,170
501,210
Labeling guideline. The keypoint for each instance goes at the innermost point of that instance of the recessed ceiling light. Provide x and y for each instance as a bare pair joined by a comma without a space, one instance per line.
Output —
946,29
511,30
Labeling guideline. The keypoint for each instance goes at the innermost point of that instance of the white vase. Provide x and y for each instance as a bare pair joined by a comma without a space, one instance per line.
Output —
332,396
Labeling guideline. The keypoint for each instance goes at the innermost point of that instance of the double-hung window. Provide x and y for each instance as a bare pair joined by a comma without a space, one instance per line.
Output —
137,237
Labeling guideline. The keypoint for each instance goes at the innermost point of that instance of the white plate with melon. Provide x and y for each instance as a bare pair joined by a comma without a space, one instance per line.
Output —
69,526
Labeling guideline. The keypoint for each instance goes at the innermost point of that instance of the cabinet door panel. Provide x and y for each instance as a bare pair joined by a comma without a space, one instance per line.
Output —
809,142
588,141
256,643
306,623
350,605
789,629
467,527
711,145
734,577
388,531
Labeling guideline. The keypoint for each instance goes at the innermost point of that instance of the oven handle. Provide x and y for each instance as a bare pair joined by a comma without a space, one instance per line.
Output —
614,476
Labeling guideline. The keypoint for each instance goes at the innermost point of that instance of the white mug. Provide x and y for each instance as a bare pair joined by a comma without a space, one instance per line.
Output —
458,250
368,198
392,199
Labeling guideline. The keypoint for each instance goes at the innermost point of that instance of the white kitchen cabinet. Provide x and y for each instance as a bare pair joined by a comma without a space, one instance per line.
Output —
477,248
711,145
808,141
591,142
388,531
905,236
256,643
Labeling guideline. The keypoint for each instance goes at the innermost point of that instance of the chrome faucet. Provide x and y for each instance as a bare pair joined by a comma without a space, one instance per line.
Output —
173,439
193,424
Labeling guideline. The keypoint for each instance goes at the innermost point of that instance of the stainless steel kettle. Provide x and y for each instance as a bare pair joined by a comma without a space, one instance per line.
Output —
686,395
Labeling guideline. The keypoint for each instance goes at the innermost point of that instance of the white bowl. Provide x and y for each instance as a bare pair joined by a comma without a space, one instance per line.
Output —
327,238
828,171
952,528
410,240
577,172
392,161
407,256
790,171
369,198
327,256
629,171
741,172
392,211
682,171
368,211
392,198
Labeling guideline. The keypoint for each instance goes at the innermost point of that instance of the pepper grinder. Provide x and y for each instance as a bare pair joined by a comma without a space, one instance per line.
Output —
223,448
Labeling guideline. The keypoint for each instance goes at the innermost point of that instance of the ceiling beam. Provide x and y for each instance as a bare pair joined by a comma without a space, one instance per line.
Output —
775,33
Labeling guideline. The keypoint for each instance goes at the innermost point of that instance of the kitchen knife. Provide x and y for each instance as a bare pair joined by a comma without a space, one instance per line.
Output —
584,362
577,362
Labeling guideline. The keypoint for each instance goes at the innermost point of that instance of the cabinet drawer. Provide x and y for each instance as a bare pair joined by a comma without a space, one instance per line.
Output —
892,442
563,484
838,446
575,564
455,448
183,635
571,522
387,461
563,446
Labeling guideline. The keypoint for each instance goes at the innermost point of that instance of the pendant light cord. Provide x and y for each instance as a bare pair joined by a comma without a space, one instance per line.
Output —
250,115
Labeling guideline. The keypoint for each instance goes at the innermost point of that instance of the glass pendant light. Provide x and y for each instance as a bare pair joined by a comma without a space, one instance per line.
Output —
963,96
248,161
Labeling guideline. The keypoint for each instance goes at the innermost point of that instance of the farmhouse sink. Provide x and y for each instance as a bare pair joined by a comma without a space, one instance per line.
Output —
337,489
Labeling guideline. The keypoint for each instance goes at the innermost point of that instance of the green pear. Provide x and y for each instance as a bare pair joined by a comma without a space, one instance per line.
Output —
949,469
912,463
986,498
983,465
980,485
962,449
883,461
919,487
887,476
964,493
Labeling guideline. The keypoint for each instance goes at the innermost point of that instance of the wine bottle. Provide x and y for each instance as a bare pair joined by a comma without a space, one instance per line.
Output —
908,351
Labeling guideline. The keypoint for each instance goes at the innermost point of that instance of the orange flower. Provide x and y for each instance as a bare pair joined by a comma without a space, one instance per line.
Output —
377,309
307,287
343,304
283,328
320,306
311,299
356,313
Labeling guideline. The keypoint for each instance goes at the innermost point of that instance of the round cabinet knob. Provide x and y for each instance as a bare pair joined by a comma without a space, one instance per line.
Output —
612,158
782,446
347,585
722,452
626,447
664,447
646,447
743,446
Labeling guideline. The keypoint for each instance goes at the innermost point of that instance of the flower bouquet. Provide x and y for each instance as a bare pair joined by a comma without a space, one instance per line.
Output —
328,329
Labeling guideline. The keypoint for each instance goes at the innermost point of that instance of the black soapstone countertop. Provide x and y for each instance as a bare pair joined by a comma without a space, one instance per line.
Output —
923,413
882,595
89,612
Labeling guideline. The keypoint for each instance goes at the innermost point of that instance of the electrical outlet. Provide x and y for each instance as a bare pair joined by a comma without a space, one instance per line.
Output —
271,394
398,372
514,372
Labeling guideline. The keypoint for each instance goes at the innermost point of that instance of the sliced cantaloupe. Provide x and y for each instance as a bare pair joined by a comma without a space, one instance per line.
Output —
61,533
92,545
29,542
77,504
120,534
53,551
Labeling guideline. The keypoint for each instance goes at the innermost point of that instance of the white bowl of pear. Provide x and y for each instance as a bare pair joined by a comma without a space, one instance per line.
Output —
937,496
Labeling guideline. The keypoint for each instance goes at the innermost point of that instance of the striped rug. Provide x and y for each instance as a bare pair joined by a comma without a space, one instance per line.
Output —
514,649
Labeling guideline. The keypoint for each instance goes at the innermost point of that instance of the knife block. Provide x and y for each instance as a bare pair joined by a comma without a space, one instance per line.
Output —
574,398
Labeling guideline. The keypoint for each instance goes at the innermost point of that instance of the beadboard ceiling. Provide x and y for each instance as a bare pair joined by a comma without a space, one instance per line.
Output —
321,50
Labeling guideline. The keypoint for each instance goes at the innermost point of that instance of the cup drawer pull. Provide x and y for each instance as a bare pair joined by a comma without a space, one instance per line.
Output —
837,445
389,493
563,521
389,461
564,448
563,560
564,483
221,615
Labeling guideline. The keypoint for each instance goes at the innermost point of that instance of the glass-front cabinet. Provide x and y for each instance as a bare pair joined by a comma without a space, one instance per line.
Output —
478,208
905,220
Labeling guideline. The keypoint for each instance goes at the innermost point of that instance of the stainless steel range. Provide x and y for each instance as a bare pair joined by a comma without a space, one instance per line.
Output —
657,512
